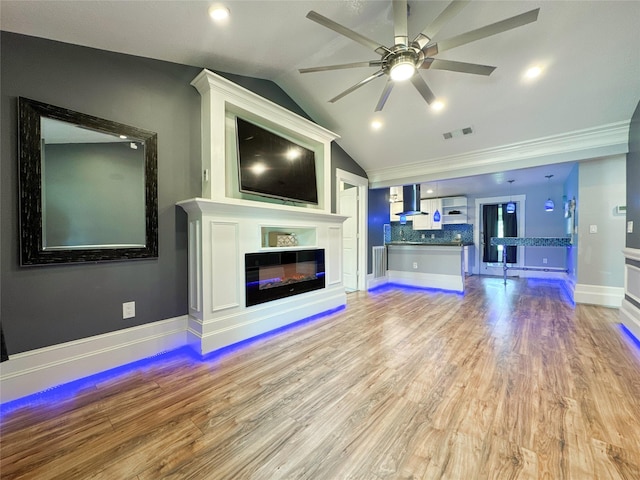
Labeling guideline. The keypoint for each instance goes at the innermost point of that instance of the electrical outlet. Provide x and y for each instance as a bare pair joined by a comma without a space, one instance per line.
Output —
128,310
544,260
415,265
593,228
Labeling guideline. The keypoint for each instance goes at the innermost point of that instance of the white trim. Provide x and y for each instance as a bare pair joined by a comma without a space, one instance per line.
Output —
374,282
630,317
597,142
598,295
632,282
37,370
248,323
363,212
631,253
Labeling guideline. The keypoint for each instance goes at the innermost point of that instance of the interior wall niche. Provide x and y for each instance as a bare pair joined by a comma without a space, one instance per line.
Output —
88,187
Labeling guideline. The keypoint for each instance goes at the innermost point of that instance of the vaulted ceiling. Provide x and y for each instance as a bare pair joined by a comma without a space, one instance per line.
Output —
589,53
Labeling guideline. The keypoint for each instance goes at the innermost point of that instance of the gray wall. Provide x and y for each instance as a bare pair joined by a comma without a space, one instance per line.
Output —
633,180
378,207
341,159
42,306
602,187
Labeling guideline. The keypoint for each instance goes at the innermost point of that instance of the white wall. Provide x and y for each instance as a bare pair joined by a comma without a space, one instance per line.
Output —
600,271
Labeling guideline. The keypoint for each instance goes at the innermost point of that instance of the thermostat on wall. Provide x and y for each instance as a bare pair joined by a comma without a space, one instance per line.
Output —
621,209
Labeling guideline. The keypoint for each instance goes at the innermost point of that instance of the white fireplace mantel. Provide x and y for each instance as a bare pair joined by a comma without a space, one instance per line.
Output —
225,225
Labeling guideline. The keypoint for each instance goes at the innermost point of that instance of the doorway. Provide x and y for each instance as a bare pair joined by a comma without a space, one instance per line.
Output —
351,201
492,220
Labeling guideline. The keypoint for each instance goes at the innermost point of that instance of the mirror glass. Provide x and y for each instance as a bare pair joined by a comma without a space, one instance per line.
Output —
87,187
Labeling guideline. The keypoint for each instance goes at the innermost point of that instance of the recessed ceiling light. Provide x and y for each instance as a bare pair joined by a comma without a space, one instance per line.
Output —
533,72
376,124
437,105
430,191
218,12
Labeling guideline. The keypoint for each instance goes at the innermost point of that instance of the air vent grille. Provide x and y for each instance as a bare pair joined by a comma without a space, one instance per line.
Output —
458,133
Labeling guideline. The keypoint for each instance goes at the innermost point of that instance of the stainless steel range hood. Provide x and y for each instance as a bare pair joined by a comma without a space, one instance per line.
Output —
411,200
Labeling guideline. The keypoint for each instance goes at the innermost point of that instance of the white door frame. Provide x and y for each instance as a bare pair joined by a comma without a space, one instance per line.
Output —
363,199
521,200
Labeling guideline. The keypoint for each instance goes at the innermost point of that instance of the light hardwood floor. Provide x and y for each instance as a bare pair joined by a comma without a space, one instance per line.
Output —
499,383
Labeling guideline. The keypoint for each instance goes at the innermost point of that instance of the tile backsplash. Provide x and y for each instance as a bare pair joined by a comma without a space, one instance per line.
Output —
449,233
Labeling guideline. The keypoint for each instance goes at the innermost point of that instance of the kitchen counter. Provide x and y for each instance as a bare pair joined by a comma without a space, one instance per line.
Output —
439,266
432,244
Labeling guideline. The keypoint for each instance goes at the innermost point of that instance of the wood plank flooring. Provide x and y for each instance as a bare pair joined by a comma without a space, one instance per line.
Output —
499,383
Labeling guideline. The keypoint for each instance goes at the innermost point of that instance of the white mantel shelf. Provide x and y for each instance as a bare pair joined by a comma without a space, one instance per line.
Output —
257,209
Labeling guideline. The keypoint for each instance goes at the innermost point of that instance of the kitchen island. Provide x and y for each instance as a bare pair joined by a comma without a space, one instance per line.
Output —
427,265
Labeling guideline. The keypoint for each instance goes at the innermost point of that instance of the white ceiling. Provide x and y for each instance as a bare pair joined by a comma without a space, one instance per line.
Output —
589,51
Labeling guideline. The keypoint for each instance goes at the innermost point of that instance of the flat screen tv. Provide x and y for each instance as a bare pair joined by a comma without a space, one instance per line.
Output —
272,166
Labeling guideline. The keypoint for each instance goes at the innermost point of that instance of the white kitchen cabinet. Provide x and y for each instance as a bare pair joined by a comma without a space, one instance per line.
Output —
426,222
394,209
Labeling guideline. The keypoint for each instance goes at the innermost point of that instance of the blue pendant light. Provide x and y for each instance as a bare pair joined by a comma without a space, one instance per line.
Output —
436,215
511,206
549,205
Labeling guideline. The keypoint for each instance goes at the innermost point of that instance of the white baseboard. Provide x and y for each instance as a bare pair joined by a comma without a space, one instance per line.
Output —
206,337
374,282
37,370
598,295
630,317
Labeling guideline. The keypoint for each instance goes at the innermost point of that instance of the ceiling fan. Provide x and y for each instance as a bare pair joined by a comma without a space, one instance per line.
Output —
402,60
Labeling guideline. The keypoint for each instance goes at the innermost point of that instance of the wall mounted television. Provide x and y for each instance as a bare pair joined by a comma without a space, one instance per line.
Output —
272,166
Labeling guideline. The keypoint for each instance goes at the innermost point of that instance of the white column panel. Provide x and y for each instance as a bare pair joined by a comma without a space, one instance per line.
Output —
226,276
195,266
333,255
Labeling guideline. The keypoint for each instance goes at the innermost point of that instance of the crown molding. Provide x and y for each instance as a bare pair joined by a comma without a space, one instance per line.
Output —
602,141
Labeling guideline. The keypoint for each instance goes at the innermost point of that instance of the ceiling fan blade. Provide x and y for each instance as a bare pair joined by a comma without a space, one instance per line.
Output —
488,30
385,95
379,73
347,32
401,37
462,67
423,88
372,63
424,37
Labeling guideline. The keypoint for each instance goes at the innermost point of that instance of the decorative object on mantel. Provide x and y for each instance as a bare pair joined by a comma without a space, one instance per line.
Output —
549,205
282,239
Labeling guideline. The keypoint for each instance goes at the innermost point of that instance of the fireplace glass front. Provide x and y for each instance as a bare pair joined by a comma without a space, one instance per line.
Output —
273,275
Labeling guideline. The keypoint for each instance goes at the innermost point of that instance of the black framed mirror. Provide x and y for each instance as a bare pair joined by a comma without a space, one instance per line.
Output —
88,187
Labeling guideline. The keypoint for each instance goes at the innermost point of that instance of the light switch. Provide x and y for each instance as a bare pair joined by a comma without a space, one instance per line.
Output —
630,226
593,228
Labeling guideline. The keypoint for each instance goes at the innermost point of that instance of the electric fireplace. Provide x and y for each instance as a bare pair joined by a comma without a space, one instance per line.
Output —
273,275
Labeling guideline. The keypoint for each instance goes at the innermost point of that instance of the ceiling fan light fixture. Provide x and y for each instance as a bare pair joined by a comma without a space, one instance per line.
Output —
218,12
402,67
